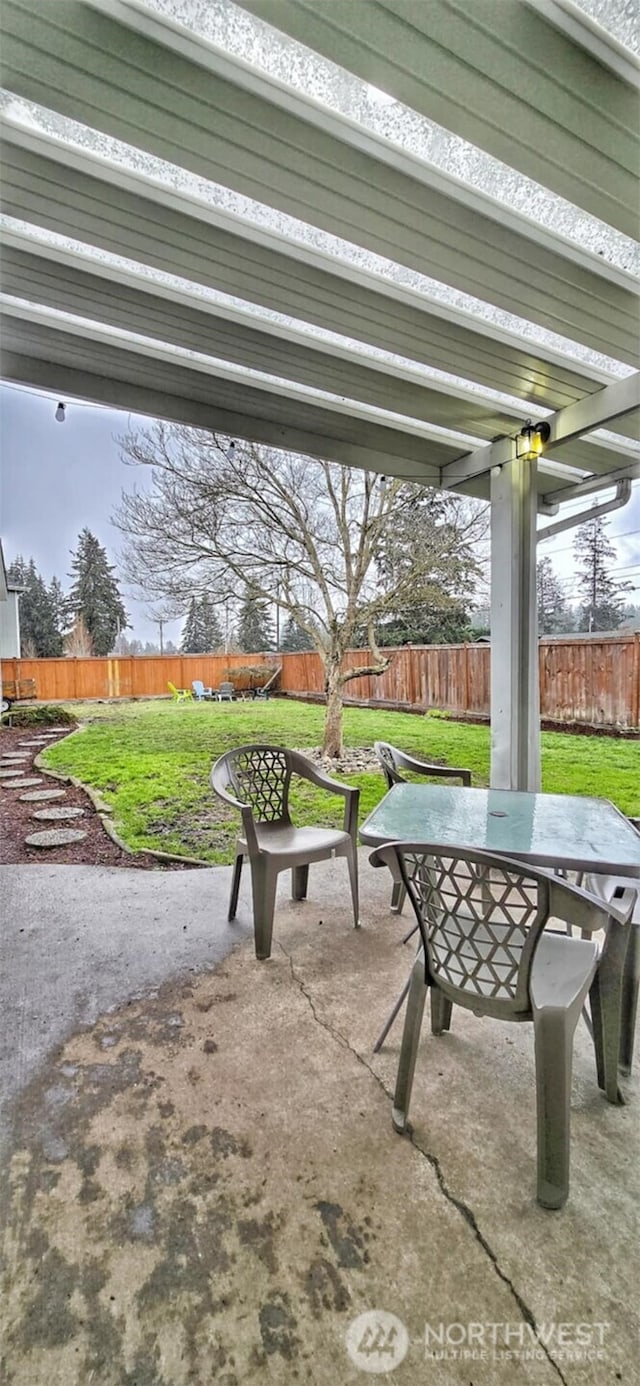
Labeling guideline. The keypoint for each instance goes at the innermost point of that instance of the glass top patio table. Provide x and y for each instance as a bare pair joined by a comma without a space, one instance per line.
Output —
545,829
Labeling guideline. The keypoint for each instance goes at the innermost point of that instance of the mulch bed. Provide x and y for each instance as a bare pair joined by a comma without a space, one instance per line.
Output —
16,821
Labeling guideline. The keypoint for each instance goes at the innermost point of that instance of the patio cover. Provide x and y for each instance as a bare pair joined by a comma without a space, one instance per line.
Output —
339,292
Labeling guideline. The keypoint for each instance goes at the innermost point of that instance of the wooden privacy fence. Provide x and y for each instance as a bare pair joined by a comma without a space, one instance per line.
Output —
595,681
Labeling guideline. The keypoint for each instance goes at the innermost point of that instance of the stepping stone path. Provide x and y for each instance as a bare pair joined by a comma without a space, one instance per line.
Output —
22,784
39,796
55,837
11,766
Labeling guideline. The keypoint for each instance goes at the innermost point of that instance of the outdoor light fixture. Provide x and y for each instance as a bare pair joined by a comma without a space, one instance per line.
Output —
60,415
531,440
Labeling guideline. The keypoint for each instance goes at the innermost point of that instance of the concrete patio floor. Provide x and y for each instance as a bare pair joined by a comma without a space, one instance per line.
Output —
203,1185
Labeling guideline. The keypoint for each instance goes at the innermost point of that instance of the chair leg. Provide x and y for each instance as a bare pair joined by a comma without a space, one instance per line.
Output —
607,1009
409,1047
299,882
398,896
630,988
410,932
235,886
389,1022
263,883
441,1008
352,863
596,1029
554,1030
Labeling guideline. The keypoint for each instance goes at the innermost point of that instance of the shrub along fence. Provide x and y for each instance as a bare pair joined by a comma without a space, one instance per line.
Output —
590,680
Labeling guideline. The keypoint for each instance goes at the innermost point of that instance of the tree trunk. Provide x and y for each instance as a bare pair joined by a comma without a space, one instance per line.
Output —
332,744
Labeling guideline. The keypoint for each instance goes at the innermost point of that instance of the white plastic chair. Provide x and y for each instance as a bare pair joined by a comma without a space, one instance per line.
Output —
392,761
482,924
261,776
613,889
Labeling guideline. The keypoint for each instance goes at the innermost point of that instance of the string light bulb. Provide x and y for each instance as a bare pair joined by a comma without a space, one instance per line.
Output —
60,412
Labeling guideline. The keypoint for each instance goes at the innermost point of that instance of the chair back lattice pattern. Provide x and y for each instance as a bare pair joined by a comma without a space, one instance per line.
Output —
260,776
385,754
480,922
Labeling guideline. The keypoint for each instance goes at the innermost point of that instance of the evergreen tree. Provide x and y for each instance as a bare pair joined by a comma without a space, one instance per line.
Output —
254,634
123,646
554,615
190,633
294,639
602,604
95,594
427,558
40,634
211,630
58,605
202,633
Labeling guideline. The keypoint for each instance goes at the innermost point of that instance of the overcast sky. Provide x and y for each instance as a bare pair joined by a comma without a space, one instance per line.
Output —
57,478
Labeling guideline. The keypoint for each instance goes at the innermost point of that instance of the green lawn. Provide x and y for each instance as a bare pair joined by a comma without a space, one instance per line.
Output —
151,763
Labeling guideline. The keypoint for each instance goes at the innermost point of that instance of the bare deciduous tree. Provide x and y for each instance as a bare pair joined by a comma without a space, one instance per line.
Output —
308,534
78,642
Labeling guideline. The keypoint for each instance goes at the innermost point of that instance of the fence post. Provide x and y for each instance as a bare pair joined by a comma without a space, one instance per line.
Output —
635,687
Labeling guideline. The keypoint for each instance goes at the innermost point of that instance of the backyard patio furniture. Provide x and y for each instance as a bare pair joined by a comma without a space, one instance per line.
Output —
226,693
612,889
260,776
482,923
393,761
200,692
556,831
180,695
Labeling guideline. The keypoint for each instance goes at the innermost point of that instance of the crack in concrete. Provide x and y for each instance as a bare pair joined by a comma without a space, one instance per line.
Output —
460,1206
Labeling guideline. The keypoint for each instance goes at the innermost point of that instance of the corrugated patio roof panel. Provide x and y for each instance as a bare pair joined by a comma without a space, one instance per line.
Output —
138,379
88,67
192,325
496,74
147,377
362,306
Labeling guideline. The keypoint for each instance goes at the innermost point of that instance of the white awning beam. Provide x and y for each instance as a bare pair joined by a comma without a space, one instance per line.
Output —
350,132
573,21
84,65
497,74
594,411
